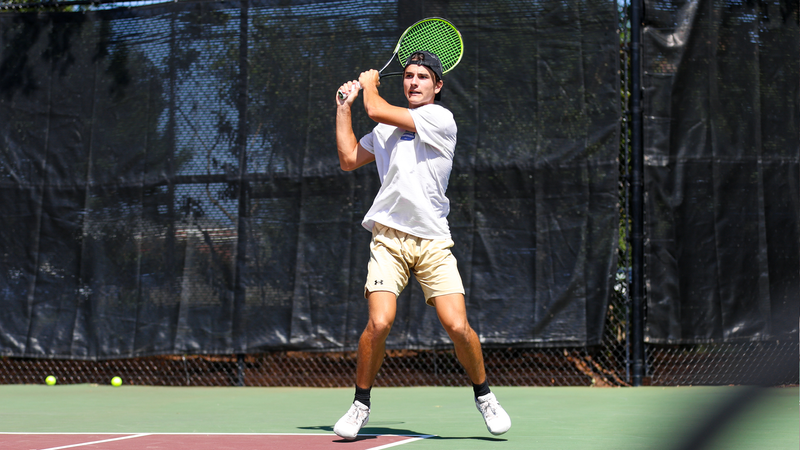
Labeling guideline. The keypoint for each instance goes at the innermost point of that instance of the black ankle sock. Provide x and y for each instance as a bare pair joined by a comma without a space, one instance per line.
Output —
362,395
481,389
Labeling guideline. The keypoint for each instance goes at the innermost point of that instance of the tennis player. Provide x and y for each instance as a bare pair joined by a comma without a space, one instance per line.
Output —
413,149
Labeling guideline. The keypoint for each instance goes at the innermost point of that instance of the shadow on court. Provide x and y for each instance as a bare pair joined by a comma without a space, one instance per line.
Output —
471,438
370,432
381,428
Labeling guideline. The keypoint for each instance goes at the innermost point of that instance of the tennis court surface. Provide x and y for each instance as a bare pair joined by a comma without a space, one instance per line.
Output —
94,417
196,441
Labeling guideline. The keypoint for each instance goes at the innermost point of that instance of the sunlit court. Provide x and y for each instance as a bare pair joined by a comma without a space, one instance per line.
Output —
104,417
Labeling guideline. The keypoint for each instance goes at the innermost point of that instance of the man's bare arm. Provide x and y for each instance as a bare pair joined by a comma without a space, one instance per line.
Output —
351,154
379,109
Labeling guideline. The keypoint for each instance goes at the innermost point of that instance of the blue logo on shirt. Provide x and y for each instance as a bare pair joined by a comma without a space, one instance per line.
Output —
408,136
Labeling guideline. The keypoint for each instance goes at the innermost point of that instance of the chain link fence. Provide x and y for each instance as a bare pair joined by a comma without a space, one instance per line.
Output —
506,367
605,365
719,364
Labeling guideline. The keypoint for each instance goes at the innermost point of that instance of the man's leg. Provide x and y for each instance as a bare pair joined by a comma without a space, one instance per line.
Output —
372,344
371,349
452,312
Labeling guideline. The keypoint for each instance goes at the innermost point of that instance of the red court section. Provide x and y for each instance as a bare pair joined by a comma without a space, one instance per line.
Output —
197,441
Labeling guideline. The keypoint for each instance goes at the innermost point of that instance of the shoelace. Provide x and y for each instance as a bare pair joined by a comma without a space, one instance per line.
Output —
488,406
356,415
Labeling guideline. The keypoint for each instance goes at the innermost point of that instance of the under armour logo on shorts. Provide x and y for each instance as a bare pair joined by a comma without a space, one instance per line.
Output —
378,282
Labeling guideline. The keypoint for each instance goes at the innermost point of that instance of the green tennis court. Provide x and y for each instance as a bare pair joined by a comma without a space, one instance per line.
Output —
423,417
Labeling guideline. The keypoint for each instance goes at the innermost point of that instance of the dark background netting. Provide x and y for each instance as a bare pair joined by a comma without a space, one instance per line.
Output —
149,208
170,182
722,146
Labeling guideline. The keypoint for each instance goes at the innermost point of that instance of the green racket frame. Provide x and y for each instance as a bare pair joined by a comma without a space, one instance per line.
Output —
435,35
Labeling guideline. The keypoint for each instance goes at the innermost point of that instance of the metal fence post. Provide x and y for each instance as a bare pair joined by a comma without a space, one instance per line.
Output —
637,200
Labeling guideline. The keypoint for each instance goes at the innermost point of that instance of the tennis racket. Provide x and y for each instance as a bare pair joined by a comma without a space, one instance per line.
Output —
435,35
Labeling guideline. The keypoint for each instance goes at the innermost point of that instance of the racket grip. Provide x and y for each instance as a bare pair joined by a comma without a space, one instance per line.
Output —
343,95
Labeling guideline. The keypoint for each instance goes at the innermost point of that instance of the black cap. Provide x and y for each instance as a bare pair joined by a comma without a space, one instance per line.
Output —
427,59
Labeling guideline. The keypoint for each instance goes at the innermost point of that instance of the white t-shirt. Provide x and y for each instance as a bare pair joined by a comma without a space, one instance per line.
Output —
414,169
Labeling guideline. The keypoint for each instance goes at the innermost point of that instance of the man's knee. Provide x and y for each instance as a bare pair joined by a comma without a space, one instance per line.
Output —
458,328
382,311
380,325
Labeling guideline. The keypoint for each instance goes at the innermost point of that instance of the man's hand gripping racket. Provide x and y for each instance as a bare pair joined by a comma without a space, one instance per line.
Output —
348,91
434,35
351,88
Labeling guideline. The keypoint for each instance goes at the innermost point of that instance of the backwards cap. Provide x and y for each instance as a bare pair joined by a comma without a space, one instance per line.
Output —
427,59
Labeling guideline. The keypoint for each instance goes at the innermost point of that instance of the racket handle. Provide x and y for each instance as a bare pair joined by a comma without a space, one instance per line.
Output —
343,95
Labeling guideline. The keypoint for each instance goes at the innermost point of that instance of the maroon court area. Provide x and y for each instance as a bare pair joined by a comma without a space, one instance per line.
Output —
52,441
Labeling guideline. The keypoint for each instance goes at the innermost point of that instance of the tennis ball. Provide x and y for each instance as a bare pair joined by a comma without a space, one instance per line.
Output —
50,380
116,381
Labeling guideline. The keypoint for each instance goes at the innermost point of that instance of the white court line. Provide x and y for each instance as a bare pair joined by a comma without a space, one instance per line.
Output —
414,437
190,433
83,444
395,444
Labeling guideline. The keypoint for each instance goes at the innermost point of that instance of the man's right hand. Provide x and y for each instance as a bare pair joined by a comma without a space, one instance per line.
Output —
370,78
350,89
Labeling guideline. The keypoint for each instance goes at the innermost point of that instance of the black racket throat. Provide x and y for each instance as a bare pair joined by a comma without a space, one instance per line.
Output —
392,74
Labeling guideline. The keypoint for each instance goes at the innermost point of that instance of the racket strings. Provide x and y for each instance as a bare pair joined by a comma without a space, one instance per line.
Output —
436,36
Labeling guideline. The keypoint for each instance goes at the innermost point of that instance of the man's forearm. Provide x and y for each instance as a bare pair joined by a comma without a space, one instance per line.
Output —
374,104
346,142
381,111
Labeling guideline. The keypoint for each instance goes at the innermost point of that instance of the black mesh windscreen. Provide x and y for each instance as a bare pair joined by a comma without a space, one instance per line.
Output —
721,118
169,181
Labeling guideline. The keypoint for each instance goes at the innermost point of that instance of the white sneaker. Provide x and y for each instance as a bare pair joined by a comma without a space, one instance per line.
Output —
357,416
496,418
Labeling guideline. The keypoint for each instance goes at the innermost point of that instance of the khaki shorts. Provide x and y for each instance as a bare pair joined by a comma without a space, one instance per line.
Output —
394,255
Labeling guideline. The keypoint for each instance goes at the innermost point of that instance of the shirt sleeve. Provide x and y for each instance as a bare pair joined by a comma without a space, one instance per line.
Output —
368,142
436,127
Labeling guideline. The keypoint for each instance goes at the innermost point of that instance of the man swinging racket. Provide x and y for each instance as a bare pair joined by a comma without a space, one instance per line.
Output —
413,149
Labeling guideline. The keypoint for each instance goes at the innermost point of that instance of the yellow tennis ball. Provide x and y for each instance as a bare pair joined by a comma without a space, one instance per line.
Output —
50,380
116,381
